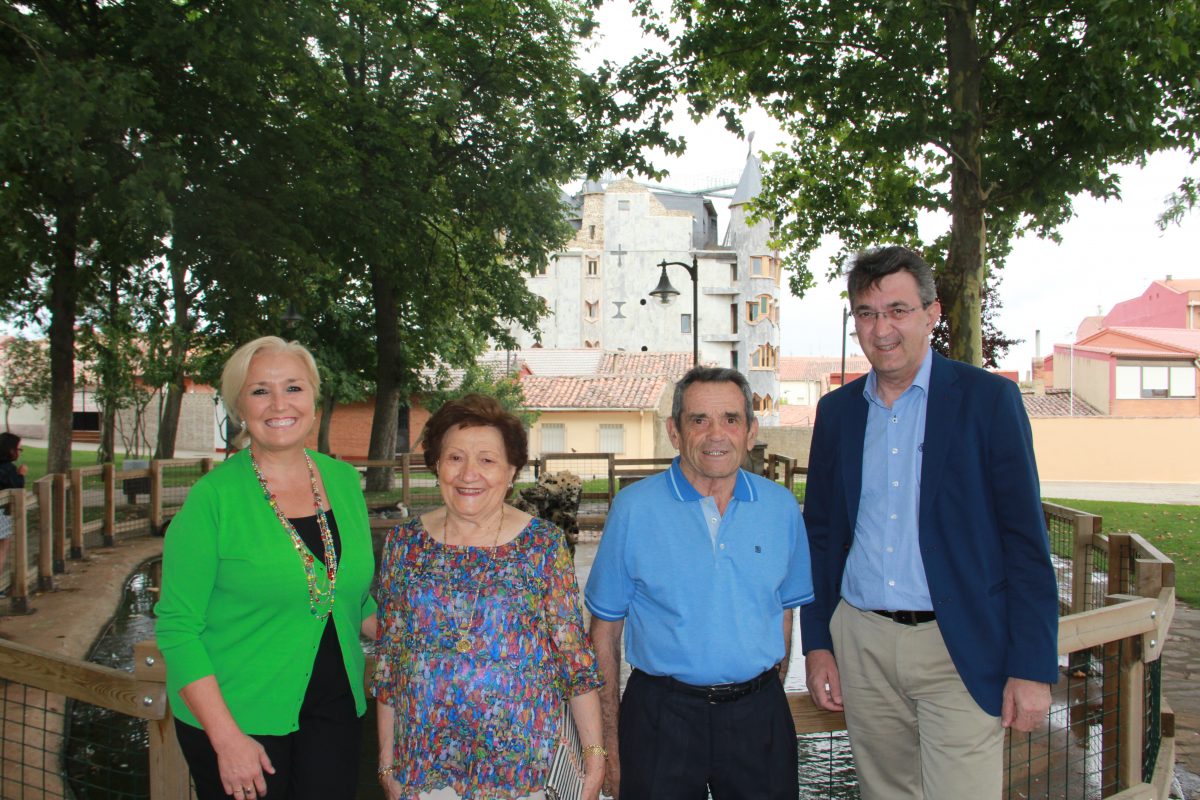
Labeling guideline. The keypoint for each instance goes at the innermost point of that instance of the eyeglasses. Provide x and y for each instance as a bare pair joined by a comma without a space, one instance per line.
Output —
866,316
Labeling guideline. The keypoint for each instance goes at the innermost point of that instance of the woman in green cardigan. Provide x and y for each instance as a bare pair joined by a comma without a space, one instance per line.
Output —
266,577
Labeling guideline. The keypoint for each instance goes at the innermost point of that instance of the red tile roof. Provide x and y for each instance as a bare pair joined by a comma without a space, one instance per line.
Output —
1057,403
615,392
671,364
815,368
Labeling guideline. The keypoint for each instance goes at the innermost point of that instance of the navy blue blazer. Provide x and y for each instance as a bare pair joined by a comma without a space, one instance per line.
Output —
983,537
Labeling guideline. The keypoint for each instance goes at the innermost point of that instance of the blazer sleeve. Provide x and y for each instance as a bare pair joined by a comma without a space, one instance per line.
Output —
819,504
1032,588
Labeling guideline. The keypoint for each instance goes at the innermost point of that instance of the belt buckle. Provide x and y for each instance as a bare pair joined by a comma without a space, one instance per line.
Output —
720,693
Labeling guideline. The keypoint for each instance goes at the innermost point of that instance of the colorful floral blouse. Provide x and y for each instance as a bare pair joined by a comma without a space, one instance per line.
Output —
477,647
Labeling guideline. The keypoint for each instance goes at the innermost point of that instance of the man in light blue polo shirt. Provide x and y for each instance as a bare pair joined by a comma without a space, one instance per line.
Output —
706,562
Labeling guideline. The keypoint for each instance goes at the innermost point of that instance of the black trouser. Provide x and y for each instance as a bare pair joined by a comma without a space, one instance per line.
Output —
675,746
317,762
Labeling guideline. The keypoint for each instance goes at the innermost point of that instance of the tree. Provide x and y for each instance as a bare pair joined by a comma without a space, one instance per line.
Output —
455,124
994,115
478,379
82,179
24,374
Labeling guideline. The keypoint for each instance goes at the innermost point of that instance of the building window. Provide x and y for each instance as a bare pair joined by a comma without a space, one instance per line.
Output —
765,357
593,267
733,359
591,231
685,323
542,270
733,274
1153,381
591,310
622,205
591,344
554,437
612,438
762,308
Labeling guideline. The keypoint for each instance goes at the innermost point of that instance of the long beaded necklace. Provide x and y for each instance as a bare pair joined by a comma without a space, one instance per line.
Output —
465,641
315,595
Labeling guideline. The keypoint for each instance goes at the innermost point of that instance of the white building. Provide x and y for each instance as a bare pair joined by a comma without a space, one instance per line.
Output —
597,290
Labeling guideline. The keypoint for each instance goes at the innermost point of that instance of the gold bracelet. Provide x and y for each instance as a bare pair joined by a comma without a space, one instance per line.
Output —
384,771
597,749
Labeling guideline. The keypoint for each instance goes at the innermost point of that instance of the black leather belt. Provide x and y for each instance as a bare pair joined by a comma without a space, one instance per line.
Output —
908,617
718,693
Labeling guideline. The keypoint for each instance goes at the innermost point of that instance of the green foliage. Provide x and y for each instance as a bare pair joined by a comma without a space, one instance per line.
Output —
478,380
993,115
1180,203
24,374
1173,529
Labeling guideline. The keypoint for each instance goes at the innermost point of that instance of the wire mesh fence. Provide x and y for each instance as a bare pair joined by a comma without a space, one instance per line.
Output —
32,727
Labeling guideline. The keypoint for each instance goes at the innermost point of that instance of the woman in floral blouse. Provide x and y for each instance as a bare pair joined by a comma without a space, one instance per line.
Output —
480,629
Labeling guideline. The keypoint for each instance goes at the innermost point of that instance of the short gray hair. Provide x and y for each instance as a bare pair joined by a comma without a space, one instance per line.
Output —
710,375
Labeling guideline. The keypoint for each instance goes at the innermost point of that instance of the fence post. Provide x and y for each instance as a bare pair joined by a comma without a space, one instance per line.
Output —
1132,712
406,480
169,776
60,522
45,495
18,589
206,465
1081,577
110,506
76,513
156,512
612,478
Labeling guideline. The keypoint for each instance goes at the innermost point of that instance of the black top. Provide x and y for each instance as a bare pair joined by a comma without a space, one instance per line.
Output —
11,479
328,692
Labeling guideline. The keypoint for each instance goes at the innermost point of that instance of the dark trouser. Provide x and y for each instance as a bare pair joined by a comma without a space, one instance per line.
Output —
675,746
317,762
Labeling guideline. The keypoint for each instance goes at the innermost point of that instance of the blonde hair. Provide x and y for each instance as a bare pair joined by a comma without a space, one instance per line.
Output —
233,376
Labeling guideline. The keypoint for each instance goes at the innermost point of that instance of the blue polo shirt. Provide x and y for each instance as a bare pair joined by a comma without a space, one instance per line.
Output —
703,594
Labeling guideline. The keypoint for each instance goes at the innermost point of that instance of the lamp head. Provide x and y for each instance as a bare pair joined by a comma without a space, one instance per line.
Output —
665,292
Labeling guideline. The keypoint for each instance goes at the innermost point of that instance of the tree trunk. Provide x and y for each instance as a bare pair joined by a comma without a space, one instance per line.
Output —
168,426
62,342
962,282
387,373
327,404
108,436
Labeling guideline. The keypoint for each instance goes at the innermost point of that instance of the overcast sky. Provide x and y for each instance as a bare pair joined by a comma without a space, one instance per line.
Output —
1110,251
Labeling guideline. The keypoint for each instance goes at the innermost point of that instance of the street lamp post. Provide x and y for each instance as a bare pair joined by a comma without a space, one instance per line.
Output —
665,292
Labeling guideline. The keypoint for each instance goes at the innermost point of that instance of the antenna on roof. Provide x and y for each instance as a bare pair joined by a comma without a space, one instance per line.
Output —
750,147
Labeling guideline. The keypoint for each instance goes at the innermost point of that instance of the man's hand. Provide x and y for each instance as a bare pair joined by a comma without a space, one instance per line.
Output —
606,639
824,683
1025,704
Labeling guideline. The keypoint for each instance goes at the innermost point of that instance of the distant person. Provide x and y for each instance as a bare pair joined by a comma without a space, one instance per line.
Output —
266,578
936,619
12,476
706,562
480,629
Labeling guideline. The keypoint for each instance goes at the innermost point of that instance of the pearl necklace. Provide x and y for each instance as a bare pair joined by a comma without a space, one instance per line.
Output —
465,642
315,595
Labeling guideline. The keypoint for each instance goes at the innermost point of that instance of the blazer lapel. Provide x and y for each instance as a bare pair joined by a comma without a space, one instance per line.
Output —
943,407
852,454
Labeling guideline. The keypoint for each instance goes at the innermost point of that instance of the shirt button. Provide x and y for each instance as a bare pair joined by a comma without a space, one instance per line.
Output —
890,550
895,450
722,545
893,516
895,420
895,483
891,583
714,519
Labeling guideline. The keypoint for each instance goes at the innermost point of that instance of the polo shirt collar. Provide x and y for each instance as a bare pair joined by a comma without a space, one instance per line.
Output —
684,492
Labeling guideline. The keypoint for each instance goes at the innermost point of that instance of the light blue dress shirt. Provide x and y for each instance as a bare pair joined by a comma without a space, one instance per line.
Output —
884,570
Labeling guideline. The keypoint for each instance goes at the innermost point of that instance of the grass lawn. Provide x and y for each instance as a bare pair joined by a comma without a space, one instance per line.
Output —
35,459
1173,529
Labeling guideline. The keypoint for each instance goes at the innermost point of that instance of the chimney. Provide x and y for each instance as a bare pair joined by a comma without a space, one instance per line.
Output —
1038,373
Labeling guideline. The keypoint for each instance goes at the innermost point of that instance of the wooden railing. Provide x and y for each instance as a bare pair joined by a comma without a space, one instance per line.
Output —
66,509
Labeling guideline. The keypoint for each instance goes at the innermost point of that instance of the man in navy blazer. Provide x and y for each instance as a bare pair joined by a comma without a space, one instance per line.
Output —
935,620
